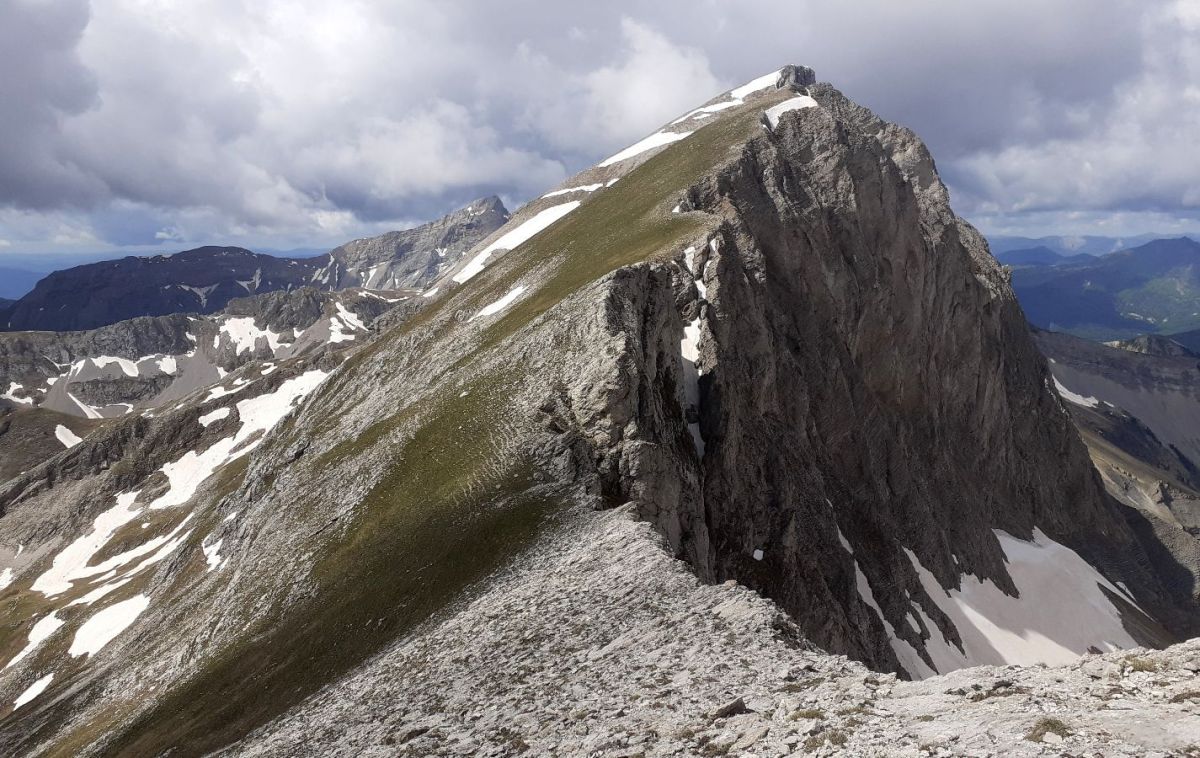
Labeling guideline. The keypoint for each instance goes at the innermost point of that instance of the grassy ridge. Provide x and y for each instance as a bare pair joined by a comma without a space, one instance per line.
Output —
447,513
454,504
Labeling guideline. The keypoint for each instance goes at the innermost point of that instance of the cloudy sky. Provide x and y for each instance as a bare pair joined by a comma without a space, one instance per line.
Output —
129,124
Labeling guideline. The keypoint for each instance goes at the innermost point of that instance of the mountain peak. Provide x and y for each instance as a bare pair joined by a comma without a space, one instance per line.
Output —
793,76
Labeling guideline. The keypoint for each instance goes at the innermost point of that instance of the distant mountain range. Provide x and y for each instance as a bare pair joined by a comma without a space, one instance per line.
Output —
1068,245
1041,256
204,280
1153,288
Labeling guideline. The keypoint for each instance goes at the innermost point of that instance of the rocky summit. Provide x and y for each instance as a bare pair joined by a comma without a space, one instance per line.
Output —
735,443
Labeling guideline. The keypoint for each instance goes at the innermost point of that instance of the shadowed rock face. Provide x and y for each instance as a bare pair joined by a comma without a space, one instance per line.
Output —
864,367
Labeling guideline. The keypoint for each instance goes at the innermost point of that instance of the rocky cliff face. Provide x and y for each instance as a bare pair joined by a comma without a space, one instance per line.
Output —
869,401
762,331
413,258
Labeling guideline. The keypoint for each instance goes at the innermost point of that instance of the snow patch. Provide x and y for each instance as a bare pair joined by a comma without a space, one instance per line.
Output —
67,437
756,84
104,627
87,410
658,139
11,394
40,632
210,418
500,304
101,591
794,104
1060,612
515,237
344,322
1071,397
212,554
569,190
737,97
245,334
33,691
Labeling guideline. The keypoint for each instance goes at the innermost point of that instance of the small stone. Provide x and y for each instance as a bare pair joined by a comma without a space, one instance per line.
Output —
751,736
732,708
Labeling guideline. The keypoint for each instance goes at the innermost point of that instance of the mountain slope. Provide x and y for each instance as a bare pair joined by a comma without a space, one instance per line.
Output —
61,386
761,329
1154,287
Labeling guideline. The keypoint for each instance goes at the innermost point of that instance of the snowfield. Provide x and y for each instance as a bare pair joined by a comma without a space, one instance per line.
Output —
1060,613
1071,397
658,139
774,113
515,237
103,628
500,304
67,437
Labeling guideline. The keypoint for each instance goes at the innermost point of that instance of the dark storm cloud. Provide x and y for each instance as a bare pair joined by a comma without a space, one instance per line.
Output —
42,82
305,122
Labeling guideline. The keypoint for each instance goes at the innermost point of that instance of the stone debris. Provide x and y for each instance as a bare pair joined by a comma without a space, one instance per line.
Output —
613,648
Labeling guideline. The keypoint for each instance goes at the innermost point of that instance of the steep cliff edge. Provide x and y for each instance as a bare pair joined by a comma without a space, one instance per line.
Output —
761,329
867,384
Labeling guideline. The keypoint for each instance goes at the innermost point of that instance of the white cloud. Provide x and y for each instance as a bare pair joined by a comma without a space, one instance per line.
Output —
298,122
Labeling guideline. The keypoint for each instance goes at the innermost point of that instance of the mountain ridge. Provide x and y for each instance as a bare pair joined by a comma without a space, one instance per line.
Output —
203,280
1154,287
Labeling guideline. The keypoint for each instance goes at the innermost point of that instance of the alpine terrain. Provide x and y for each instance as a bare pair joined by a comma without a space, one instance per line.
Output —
737,442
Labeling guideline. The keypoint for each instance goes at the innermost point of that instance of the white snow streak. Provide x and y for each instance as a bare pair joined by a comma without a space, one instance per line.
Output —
658,139
754,85
737,97
102,628
569,190
67,437
33,691
500,304
515,237
210,418
1071,397
796,103
905,653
